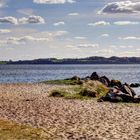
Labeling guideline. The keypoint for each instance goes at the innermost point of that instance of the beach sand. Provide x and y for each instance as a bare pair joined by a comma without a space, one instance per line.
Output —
68,119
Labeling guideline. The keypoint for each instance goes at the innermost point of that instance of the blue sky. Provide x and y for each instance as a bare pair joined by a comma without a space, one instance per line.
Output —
32,29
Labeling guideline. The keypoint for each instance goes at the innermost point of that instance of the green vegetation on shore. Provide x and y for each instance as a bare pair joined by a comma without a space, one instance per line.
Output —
62,82
2,62
87,90
10,130
97,87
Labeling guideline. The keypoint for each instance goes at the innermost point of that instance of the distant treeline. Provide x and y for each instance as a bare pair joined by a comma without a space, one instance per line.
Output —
88,60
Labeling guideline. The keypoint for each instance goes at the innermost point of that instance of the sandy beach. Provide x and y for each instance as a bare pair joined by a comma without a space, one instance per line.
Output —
68,118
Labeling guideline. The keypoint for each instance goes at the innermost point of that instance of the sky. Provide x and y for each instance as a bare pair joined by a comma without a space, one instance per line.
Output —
31,29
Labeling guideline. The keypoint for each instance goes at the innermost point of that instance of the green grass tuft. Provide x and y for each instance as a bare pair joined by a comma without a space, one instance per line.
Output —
62,82
71,93
57,93
87,90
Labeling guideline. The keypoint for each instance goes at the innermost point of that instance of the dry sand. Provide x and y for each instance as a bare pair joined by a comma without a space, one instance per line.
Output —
68,119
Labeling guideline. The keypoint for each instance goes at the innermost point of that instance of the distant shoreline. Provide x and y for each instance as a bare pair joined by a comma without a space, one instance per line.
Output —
73,64
87,60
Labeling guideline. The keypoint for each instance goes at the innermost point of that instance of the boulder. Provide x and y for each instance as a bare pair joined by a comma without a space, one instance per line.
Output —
127,90
135,85
115,83
75,78
104,80
111,97
115,95
80,82
94,76
86,78
137,99
126,98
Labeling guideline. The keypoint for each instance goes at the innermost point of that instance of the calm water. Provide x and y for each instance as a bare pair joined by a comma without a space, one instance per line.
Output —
36,73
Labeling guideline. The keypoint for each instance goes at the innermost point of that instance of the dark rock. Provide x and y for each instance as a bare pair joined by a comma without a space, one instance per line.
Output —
137,99
75,78
115,95
126,98
80,82
104,80
127,90
86,78
94,76
113,90
135,85
111,97
115,83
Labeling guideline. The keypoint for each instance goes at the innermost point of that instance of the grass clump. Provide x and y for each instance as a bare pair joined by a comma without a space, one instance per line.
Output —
77,96
69,93
10,130
87,90
62,82
96,87
57,93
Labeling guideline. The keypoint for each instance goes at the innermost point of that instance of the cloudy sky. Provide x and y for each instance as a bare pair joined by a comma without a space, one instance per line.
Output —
32,29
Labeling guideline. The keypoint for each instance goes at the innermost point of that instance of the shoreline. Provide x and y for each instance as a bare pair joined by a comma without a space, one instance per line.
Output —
66,119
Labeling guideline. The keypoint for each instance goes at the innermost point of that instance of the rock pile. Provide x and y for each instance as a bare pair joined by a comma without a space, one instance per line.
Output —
118,92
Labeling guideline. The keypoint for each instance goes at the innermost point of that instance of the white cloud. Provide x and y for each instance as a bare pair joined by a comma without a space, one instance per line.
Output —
105,35
88,46
22,40
60,33
59,23
3,31
9,19
121,7
137,49
121,23
80,37
105,51
31,38
53,1
129,38
99,23
31,19
129,53
72,47
73,14
24,20
121,47
35,37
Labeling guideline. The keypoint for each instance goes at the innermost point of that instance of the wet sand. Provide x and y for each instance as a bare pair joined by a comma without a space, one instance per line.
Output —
68,119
